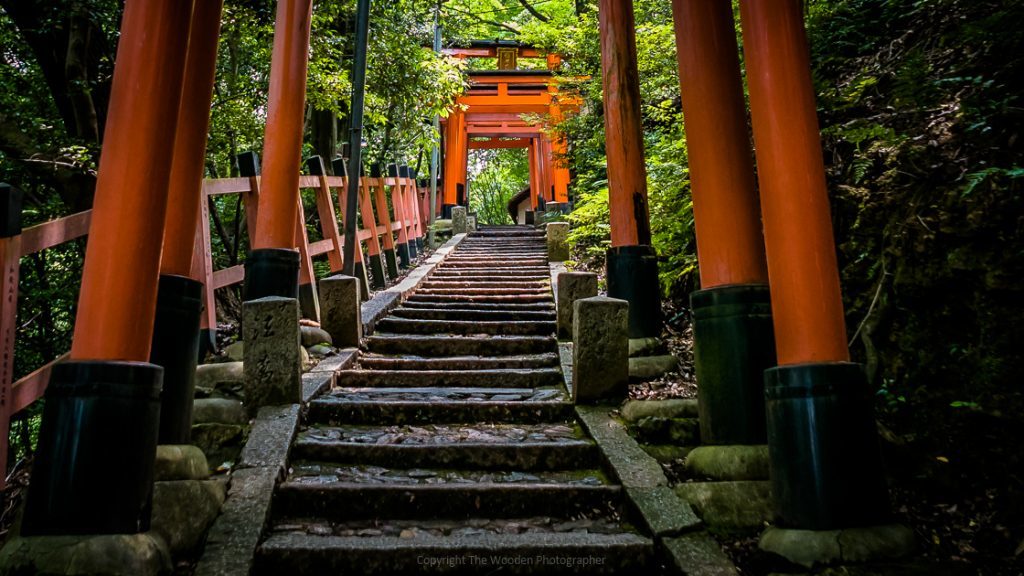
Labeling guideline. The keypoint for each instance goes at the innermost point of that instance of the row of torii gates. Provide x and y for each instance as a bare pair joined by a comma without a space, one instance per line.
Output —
490,115
772,364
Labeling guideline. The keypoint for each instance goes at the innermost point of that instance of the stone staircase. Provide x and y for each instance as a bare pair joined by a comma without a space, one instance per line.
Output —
453,446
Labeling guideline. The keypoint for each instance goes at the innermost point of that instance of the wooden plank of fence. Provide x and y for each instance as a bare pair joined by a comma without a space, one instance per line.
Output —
412,211
321,247
55,232
306,273
31,387
216,187
208,321
328,222
227,277
383,215
398,204
369,221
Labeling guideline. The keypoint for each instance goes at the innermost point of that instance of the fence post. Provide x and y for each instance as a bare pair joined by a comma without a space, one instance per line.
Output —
359,270
389,234
308,301
10,258
397,204
325,209
369,223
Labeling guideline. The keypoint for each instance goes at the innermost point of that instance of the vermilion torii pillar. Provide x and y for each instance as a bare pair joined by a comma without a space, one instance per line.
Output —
733,343
102,406
825,466
179,299
560,173
456,154
534,168
632,264
272,267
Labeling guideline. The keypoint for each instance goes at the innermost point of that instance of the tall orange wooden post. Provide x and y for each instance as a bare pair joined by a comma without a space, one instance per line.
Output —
733,343
632,263
534,167
455,157
545,164
559,148
272,266
180,298
826,471
103,406
462,169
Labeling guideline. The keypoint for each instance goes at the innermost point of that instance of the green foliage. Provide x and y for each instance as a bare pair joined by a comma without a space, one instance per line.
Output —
495,176
920,108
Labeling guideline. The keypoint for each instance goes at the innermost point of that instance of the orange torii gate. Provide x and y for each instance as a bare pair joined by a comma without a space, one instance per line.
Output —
493,107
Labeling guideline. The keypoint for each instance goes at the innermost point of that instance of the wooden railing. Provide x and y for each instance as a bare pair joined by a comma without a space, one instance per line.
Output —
381,221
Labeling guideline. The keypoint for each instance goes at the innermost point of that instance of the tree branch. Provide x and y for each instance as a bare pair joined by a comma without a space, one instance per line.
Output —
534,11
484,21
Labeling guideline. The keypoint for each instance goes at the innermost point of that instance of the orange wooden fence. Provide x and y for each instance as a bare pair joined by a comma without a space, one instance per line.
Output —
380,221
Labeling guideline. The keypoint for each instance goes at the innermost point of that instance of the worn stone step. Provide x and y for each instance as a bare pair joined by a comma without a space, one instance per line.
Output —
486,298
532,272
502,261
484,446
474,283
540,554
440,405
589,523
483,291
498,378
356,500
481,235
465,327
458,362
320,473
475,315
497,306
491,278
435,346
495,266
499,250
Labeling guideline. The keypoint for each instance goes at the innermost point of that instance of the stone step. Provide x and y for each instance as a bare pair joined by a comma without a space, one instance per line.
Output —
486,298
518,236
499,378
502,262
481,306
484,446
487,277
530,273
538,553
305,472
371,362
472,315
358,500
473,282
465,327
437,346
483,291
440,405
537,251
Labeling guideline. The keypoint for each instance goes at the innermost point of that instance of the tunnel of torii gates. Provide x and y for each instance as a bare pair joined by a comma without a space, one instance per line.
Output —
771,350
490,115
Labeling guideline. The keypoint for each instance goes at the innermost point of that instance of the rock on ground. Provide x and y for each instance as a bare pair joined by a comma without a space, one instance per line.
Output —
183,510
180,462
110,555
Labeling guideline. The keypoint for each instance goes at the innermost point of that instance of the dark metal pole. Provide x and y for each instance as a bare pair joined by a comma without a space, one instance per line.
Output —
356,134
435,152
